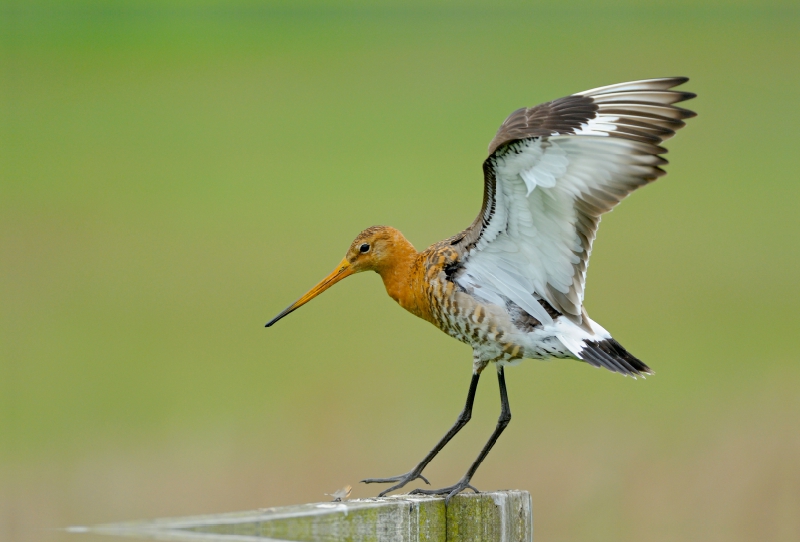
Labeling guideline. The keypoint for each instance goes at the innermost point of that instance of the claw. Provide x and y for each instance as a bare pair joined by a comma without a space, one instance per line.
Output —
455,489
394,479
387,491
401,480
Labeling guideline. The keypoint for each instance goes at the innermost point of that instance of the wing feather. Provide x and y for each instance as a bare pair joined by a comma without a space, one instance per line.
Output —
553,170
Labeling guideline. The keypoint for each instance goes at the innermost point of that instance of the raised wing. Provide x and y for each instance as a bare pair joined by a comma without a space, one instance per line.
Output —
552,171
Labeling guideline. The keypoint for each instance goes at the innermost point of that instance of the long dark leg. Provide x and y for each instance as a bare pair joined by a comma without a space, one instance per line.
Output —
416,472
502,422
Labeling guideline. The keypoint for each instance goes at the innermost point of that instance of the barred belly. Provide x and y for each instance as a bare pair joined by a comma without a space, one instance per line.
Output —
491,331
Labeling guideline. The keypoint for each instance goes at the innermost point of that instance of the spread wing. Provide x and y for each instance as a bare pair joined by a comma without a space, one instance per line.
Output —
552,171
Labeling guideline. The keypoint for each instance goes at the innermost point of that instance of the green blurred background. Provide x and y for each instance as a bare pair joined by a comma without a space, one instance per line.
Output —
175,173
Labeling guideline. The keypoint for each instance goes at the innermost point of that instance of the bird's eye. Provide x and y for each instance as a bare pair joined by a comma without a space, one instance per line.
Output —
364,248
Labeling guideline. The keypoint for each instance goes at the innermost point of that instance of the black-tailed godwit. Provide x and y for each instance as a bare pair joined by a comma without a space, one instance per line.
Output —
511,285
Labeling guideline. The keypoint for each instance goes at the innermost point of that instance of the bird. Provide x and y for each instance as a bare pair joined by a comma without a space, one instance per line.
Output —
511,285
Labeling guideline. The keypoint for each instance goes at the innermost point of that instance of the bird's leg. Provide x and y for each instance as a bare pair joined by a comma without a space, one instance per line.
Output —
502,422
416,472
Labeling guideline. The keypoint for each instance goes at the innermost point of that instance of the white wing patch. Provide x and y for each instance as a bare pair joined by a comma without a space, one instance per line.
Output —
599,126
549,191
530,246
546,169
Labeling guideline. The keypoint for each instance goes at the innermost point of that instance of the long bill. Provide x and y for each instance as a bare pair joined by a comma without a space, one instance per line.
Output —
342,270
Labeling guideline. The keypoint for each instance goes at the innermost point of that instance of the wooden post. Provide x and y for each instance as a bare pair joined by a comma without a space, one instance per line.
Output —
502,516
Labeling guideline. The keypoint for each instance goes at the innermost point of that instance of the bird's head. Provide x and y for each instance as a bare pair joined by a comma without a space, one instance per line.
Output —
374,249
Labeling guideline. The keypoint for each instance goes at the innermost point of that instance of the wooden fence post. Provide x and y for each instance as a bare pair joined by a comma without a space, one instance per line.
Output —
502,516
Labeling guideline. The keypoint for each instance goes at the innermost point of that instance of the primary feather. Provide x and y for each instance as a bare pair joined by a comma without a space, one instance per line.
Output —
553,170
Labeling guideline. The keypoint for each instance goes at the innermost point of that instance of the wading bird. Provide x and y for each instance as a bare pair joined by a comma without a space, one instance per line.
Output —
511,285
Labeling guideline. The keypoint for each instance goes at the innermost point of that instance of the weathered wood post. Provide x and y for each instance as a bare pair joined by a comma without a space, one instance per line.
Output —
502,516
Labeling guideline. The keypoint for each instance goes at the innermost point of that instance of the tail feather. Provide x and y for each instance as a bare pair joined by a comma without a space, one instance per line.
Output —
610,354
597,348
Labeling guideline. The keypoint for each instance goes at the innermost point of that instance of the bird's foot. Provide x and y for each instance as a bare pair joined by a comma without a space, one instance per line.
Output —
449,491
401,480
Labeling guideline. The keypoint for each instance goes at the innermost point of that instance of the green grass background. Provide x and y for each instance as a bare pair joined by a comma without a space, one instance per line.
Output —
175,173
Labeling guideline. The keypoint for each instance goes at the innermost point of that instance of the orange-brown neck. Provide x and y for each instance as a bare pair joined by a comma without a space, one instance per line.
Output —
402,274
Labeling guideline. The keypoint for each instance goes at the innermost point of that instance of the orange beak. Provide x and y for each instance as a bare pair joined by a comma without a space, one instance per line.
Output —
342,270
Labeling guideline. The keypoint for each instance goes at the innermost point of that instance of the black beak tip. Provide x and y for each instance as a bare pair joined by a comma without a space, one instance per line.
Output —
272,322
